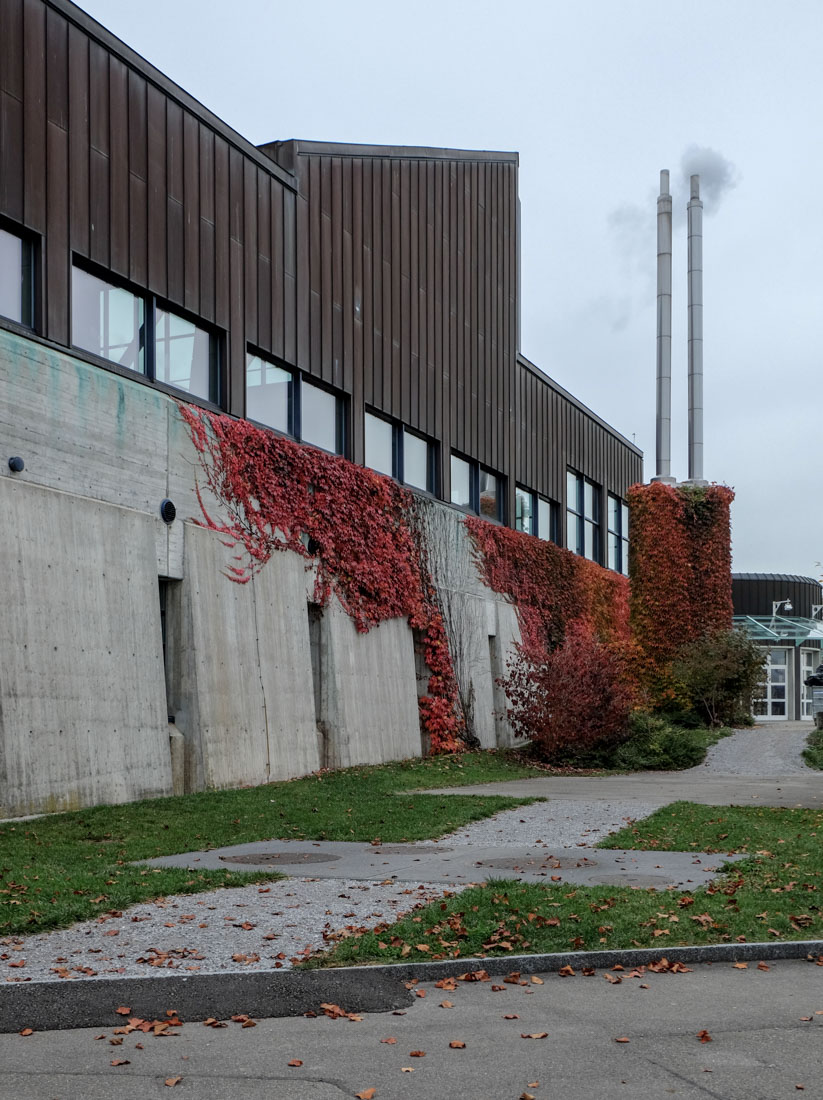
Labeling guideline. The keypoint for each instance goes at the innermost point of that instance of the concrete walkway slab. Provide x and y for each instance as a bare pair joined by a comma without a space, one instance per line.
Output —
461,865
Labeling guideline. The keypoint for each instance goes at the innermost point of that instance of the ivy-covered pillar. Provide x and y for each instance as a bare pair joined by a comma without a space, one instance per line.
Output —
679,566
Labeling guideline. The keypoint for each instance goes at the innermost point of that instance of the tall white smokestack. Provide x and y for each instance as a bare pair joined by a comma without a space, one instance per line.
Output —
695,218
663,467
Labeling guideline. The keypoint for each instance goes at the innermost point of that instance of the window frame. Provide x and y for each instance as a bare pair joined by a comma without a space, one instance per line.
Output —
151,303
474,489
399,432
537,499
577,514
621,565
29,255
294,412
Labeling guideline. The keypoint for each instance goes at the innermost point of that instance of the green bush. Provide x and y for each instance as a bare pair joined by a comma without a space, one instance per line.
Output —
716,676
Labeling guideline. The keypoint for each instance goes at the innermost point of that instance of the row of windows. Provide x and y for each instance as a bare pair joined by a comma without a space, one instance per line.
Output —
138,333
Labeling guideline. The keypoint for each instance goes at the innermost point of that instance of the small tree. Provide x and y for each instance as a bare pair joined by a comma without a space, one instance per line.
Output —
578,696
717,675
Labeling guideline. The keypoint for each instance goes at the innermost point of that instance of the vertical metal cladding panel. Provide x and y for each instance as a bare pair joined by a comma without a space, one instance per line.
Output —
138,180
34,114
119,166
174,203
263,304
191,213
55,319
206,222
11,109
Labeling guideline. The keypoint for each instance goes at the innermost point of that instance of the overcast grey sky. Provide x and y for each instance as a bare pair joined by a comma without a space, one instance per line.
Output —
597,97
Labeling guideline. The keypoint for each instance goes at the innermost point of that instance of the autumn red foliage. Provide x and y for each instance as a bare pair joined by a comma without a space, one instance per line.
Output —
570,682
350,524
577,696
680,566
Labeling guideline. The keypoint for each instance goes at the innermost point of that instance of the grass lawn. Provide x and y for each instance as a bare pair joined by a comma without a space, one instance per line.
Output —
63,868
776,894
813,752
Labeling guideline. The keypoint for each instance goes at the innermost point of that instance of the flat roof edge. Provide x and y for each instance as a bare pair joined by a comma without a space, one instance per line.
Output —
296,146
522,361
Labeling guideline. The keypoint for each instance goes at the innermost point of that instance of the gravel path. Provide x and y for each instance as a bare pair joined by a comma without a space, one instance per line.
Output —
272,926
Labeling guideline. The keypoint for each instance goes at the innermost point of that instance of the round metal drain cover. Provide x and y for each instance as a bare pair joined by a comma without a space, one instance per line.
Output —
552,863
406,850
290,859
632,879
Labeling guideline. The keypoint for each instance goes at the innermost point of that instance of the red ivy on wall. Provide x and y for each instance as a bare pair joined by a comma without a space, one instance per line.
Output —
550,588
680,566
350,523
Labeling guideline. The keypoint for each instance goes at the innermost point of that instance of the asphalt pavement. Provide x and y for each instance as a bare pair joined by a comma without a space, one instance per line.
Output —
732,1033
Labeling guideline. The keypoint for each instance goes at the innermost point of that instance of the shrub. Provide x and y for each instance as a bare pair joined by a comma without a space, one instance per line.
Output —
578,696
717,674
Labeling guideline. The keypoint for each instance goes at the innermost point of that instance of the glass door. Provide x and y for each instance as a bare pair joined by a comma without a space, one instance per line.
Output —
809,660
772,694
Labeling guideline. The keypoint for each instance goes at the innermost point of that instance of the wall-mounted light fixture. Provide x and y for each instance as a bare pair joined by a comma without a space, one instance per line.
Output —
16,464
776,605
167,510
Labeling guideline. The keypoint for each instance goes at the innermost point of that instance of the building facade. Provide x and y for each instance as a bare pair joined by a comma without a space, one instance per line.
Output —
360,299
782,613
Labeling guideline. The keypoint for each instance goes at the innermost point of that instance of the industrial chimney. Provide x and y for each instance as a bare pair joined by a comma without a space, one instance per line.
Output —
694,212
663,468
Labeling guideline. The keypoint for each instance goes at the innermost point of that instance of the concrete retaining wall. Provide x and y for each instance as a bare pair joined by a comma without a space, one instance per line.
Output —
260,687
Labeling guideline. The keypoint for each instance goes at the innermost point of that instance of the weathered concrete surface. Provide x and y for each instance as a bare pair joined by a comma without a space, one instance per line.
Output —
82,695
240,681
461,865
368,691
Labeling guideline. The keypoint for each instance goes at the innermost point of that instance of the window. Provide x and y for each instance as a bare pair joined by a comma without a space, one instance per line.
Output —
320,418
475,489
583,516
287,402
524,510
535,515
618,524
133,331
16,279
394,450
269,394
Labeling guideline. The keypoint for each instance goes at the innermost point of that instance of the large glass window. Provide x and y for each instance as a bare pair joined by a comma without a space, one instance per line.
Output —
380,445
418,462
583,516
183,355
16,283
268,393
523,509
107,320
461,494
618,535
319,419
548,519
489,499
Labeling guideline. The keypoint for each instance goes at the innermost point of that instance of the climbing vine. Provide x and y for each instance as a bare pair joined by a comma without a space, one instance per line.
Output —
349,523
680,566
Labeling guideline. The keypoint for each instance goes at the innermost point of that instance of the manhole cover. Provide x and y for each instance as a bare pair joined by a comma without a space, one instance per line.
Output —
631,879
551,863
406,850
291,859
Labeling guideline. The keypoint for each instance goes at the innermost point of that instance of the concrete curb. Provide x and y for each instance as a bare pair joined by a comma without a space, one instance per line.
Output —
59,1005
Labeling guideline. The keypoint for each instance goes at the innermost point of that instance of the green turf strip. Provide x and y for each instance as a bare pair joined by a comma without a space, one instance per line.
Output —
64,868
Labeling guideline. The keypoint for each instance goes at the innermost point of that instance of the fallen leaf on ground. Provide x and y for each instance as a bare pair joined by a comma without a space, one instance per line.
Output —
123,1010
623,1039
406,1069
740,966
613,978
763,966
534,1035
27,1031
121,1062
566,972
535,980
417,1054
294,1062
391,1040
511,1016
170,1082
457,1044
446,1004
527,1096
704,1036
366,1094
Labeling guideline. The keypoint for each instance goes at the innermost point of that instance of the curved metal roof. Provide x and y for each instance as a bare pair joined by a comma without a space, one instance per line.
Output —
788,577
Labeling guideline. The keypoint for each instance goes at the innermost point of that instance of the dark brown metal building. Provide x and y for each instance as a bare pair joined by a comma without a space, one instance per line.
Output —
360,298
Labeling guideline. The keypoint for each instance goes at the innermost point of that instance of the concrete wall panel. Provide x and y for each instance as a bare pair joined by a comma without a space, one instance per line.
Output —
82,696
245,699
368,688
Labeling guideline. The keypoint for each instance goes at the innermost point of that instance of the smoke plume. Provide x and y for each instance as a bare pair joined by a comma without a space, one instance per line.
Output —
718,176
